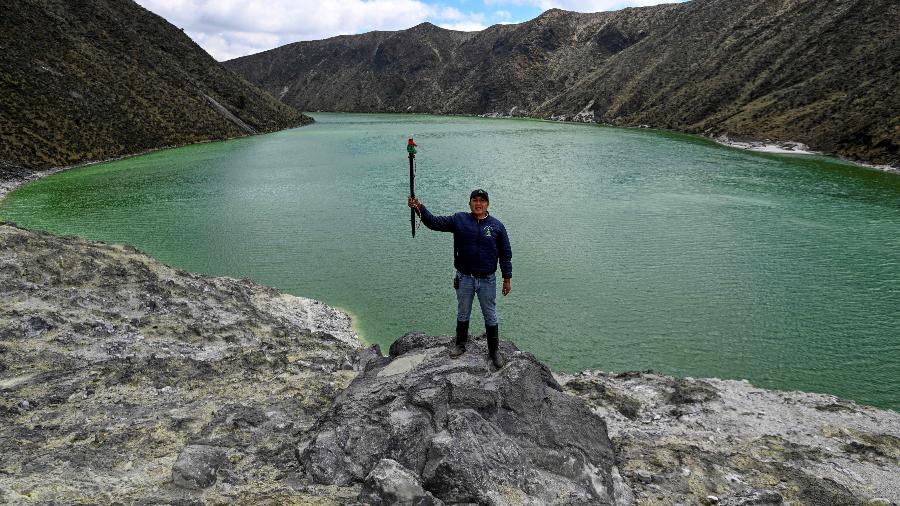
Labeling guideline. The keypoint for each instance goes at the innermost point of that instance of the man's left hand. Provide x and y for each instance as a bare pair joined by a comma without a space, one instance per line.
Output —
507,286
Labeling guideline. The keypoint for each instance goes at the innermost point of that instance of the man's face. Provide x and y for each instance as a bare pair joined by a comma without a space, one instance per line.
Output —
478,205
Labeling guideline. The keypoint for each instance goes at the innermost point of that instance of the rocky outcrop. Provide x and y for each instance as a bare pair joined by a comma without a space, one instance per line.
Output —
710,441
124,380
98,79
390,483
467,433
819,73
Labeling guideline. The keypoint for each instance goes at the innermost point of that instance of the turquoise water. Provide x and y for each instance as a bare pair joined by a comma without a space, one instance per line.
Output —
632,249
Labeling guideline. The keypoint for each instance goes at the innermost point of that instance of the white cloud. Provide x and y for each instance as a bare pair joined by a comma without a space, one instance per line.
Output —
581,5
289,16
597,5
464,26
451,13
470,22
231,28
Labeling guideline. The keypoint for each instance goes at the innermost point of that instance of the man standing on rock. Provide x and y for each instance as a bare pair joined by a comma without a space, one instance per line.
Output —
479,243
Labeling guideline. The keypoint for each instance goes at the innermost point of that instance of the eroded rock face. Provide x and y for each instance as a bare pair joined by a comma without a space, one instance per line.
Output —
197,466
390,483
166,387
467,432
725,442
162,387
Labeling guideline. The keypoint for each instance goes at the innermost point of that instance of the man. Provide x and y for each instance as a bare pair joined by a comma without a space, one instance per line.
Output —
479,243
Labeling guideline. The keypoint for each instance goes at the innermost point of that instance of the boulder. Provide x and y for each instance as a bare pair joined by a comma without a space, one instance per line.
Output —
197,466
466,432
35,325
390,483
754,497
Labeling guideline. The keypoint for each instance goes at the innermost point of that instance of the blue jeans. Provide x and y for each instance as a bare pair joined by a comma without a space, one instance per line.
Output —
485,288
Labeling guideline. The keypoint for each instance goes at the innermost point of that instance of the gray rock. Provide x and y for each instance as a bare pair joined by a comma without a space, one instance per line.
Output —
466,432
366,356
267,366
643,476
34,326
197,466
416,341
691,431
391,483
754,497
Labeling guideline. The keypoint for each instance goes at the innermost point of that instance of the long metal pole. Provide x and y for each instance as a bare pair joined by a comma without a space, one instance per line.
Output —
412,191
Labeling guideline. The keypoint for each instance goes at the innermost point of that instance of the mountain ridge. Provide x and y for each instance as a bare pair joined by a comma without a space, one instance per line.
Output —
98,79
818,73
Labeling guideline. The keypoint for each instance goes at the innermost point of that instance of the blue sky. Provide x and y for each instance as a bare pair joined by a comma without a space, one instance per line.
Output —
231,28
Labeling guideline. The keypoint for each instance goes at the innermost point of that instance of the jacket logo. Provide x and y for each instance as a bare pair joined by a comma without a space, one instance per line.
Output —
488,231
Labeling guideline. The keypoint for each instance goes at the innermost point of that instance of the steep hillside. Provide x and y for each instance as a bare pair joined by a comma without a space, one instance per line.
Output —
821,73
92,79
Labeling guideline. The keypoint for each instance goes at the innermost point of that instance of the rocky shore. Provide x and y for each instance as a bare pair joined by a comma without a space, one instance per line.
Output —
12,177
712,441
127,381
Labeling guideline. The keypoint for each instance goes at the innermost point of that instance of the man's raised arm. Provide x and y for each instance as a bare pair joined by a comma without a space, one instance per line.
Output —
439,223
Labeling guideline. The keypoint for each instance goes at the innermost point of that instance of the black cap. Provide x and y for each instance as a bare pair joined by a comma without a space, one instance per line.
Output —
479,193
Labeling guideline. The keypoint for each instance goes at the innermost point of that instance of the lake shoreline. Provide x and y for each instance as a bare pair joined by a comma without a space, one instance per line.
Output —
209,367
792,148
588,364
745,143
723,139
8,185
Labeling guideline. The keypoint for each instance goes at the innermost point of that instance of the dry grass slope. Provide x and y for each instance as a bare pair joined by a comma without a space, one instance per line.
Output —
820,73
95,79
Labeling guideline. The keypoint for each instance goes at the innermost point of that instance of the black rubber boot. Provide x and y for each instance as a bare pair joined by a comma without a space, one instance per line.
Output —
493,344
462,335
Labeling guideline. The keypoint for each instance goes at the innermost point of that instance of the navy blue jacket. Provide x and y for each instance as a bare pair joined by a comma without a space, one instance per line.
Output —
477,244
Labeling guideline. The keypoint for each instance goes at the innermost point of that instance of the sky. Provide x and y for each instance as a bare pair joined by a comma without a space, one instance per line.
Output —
227,29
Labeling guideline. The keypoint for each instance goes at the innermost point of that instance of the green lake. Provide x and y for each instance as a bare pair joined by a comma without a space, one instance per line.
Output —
632,249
